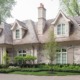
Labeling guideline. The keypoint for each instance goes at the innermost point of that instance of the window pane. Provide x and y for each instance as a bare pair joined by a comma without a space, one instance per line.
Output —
17,33
24,54
59,29
63,28
20,51
63,50
64,58
58,58
58,50
24,51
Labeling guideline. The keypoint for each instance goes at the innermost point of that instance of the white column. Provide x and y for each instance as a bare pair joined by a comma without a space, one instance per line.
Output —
1,55
35,53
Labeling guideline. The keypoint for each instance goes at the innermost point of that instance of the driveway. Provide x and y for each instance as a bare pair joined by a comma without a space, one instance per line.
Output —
30,77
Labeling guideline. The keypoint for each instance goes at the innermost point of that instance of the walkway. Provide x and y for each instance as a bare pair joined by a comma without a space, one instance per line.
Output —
30,77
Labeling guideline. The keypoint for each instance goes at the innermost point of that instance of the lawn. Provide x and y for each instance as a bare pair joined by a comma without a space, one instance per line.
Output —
45,73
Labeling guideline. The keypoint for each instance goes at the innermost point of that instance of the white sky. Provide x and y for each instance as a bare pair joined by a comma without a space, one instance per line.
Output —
28,9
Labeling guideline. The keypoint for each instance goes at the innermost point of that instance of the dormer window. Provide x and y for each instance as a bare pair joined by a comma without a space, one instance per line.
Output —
17,34
61,29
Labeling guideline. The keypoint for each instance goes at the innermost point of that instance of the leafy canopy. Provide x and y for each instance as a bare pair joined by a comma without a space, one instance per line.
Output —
5,9
71,7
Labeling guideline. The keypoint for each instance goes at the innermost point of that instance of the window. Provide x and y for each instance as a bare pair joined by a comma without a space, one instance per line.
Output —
22,53
17,34
61,29
61,56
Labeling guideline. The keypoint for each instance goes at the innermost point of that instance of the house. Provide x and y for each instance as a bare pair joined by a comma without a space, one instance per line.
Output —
28,37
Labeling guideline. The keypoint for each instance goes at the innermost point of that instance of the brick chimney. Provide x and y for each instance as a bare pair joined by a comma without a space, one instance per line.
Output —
41,19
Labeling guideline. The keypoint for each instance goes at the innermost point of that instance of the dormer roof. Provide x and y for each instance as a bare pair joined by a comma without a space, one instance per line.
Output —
60,13
21,24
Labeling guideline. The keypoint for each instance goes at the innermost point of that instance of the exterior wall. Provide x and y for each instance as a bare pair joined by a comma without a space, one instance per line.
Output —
14,32
11,52
61,20
70,55
77,54
42,57
31,49
73,53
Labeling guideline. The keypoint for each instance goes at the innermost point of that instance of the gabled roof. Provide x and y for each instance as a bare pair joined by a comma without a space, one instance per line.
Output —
30,37
21,24
31,28
60,13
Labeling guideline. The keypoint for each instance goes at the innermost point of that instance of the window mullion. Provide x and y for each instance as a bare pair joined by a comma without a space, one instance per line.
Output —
61,29
61,56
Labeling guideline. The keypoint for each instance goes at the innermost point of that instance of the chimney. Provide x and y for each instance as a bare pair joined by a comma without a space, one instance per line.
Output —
41,19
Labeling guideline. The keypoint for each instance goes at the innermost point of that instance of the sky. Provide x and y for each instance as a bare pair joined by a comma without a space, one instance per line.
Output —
28,9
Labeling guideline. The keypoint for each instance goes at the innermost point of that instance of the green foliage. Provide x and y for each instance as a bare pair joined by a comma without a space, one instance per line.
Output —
5,9
6,58
57,68
30,58
51,47
72,7
19,59
23,59
3,66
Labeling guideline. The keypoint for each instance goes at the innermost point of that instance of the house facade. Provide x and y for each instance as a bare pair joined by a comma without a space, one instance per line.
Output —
27,38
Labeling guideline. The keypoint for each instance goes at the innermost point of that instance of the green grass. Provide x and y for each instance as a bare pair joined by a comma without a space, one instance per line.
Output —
45,73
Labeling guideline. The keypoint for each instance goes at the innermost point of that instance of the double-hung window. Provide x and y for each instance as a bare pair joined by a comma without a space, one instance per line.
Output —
61,56
61,29
17,34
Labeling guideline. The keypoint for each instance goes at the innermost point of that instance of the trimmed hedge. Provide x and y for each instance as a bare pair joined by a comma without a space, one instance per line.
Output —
43,67
4,66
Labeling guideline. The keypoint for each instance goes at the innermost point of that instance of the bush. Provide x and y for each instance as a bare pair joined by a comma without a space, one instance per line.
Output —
43,67
4,66
21,60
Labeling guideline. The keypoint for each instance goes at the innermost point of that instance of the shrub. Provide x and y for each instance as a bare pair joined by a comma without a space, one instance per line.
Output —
6,58
21,60
4,66
30,58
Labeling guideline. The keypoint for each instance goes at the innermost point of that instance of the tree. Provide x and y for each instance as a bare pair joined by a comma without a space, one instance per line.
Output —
50,48
72,7
5,9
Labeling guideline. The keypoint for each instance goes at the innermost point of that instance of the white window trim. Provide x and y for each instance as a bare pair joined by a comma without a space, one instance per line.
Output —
61,56
61,31
18,35
30,53
20,53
